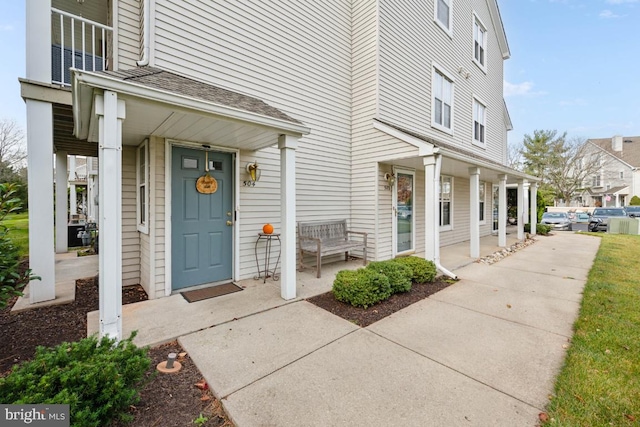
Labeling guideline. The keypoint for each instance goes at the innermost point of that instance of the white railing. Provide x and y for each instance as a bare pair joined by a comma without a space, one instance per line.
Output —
79,43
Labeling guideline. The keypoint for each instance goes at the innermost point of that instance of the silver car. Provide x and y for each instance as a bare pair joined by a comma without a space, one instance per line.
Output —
557,220
600,218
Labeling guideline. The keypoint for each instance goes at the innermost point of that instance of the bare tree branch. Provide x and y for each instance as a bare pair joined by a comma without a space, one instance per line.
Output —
12,149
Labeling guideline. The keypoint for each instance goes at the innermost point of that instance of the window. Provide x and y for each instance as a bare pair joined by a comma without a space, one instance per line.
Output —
621,174
596,181
442,102
481,198
443,14
446,196
479,43
479,122
142,195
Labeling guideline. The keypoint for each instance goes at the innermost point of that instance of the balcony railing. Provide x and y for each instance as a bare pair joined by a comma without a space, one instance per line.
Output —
79,43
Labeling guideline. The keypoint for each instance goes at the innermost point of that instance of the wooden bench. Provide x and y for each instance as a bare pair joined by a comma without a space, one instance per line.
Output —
328,238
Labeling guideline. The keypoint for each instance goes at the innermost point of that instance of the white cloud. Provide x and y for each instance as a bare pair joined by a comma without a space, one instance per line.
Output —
621,1
607,14
577,102
519,89
4,27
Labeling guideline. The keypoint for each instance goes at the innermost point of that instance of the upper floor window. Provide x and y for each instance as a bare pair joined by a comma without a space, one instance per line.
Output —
443,14
142,195
621,174
479,122
442,116
596,181
479,43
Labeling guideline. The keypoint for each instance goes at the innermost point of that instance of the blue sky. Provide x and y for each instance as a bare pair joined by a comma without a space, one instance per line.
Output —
575,66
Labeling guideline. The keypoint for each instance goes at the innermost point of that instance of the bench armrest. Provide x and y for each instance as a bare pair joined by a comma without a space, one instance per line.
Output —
361,233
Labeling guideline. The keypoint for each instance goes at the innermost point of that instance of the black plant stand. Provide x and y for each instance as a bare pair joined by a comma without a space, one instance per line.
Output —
264,273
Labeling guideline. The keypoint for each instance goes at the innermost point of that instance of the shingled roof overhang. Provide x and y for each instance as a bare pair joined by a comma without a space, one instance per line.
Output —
166,104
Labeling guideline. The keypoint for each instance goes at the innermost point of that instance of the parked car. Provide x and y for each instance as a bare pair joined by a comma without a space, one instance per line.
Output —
558,220
633,211
600,218
404,212
583,217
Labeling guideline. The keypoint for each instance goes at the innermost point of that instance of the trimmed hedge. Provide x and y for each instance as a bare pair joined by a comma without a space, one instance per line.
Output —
399,274
542,229
361,288
423,271
99,379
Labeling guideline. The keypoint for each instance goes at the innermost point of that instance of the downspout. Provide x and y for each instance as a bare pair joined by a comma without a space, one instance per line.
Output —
436,225
144,61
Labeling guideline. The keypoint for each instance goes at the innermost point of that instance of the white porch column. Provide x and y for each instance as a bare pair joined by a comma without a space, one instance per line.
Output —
38,42
287,145
62,244
534,207
40,175
525,211
110,113
502,211
430,206
521,209
474,217
73,200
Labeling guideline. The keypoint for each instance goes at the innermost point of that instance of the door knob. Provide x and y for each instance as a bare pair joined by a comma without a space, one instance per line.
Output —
229,223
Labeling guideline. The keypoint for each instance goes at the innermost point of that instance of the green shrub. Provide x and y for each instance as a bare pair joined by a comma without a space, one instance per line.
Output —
99,379
635,201
399,275
361,288
542,229
423,271
12,279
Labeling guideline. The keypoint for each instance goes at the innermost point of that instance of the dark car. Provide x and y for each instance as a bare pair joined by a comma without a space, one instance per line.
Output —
557,220
633,211
600,218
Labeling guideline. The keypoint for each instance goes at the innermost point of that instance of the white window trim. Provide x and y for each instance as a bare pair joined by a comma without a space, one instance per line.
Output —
483,67
473,122
142,223
483,186
450,225
438,69
449,29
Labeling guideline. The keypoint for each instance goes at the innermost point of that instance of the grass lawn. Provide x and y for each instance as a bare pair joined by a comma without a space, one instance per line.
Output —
19,231
600,382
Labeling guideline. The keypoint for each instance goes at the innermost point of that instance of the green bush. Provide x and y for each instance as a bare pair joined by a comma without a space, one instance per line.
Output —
361,288
542,229
635,201
399,274
423,271
99,379
12,279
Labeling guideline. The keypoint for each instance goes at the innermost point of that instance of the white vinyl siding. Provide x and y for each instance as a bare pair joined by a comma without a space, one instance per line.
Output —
410,44
304,69
130,239
128,23
479,43
479,123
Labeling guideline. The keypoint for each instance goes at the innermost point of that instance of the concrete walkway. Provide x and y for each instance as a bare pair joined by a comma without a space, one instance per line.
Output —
484,351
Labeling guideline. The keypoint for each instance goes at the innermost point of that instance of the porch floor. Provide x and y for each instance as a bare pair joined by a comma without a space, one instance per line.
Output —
69,267
155,327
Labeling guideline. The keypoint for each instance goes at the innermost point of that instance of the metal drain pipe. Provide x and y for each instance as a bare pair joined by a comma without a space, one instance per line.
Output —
436,225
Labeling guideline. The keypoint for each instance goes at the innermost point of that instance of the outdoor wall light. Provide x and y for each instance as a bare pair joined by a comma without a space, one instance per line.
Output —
254,174
391,179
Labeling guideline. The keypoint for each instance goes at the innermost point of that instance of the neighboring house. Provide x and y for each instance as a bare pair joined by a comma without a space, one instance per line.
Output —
356,109
619,177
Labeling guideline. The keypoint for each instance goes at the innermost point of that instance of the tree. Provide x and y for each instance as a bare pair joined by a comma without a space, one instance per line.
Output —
539,152
514,156
12,150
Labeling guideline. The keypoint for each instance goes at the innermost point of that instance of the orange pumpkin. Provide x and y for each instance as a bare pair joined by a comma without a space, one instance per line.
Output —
267,229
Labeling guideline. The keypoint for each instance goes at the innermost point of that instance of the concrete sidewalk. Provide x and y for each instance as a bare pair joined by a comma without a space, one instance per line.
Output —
484,351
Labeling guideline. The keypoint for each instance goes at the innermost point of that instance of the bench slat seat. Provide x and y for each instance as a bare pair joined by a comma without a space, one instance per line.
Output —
329,238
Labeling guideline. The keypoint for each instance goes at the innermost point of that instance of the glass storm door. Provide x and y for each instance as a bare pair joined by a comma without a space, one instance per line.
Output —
404,212
494,206
201,222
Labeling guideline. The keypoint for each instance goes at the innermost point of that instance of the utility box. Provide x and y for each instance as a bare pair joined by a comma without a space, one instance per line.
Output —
624,226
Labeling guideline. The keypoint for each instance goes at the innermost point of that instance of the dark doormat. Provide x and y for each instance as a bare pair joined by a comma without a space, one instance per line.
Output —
211,292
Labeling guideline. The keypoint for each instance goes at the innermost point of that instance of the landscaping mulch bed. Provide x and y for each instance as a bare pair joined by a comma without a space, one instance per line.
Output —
365,317
166,400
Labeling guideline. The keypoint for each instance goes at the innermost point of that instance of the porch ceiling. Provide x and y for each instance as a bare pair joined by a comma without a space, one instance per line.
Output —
168,105
63,139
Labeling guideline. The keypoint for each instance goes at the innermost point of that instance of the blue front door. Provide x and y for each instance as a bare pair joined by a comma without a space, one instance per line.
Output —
201,224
